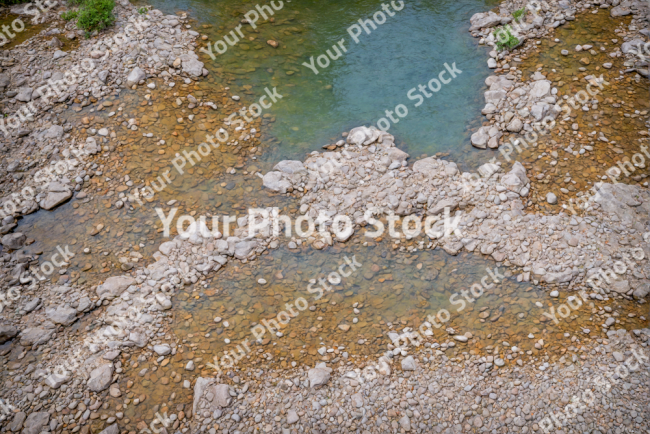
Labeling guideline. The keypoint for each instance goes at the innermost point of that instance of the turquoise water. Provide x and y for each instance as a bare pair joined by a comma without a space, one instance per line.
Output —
374,74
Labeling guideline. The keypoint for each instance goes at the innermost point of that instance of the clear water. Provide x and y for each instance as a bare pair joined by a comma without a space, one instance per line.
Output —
374,75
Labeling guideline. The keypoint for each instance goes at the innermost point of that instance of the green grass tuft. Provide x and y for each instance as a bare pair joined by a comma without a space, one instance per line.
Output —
505,39
92,14
519,13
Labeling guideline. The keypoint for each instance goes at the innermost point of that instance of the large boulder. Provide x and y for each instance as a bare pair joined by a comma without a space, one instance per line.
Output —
642,291
101,377
480,138
114,286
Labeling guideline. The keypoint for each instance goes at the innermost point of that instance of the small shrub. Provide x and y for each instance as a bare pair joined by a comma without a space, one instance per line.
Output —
505,39
95,15
142,11
69,15
519,13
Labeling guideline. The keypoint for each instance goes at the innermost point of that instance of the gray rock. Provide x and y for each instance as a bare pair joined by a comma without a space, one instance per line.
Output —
642,291
24,94
7,332
192,67
101,378
620,11
439,207
54,132
516,179
319,375
484,20
103,76
405,423
408,364
515,125
162,350
17,421
363,136
91,147
31,305
480,138
35,336
54,199
35,422
13,241
135,76
551,198
56,380
58,54
210,395
114,286
292,417
290,167
5,80
275,181
244,248
62,315
112,429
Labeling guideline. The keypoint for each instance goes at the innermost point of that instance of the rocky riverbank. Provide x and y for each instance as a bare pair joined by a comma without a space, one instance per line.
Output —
72,353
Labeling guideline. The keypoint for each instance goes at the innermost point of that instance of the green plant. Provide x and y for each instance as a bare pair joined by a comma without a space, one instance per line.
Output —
69,15
95,15
142,11
519,13
505,38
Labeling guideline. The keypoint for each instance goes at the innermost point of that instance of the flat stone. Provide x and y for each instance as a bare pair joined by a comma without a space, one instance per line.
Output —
54,199
13,241
319,375
408,364
7,332
35,422
101,378
114,286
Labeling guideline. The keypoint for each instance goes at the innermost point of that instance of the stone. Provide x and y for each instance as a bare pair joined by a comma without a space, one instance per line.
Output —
111,429
515,125
114,286
135,76
620,286
620,11
408,364
7,332
208,394
439,207
58,54
551,198
56,380
24,94
54,132
35,336
499,362
480,138
35,422
17,422
492,63
516,179
639,293
461,338
62,315
244,248
91,147
363,136
292,417
273,43
54,199
192,66
103,76
357,400
319,375
100,378
162,350
13,241
405,423
484,20
290,167
274,181
540,89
